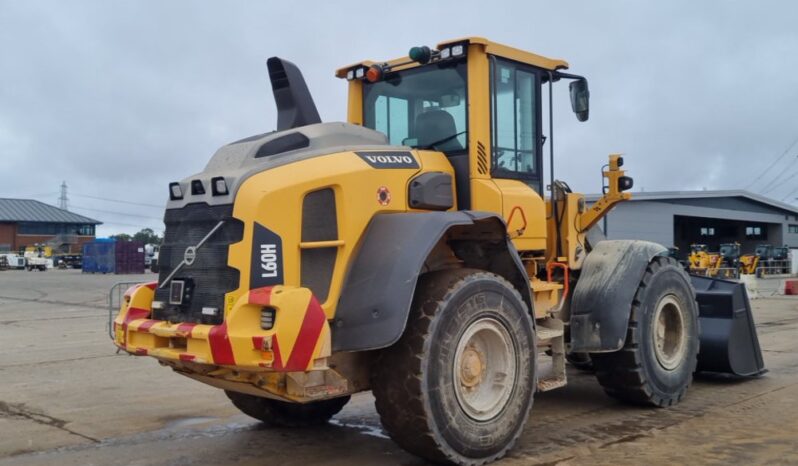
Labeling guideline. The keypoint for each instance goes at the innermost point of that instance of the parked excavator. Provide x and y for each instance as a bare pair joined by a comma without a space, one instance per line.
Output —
416,251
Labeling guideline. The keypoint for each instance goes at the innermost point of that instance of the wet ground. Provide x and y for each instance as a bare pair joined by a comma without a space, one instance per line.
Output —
67,398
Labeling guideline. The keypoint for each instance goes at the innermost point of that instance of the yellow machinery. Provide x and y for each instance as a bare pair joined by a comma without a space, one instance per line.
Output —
749,263
416,251
703,262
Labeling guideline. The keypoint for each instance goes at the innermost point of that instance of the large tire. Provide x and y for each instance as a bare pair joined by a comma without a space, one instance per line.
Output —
465,327
276,413
656,364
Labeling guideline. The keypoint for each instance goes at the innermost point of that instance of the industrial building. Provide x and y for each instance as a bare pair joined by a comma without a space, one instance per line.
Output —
27,222
682,218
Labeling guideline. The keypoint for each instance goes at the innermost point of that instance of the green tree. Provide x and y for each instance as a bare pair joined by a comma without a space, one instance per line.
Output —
122,237
147,236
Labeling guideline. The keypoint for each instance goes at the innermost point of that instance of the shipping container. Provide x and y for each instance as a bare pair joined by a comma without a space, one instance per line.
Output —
110,256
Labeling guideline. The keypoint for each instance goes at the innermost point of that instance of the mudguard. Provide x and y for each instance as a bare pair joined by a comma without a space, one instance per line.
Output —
378,290
602,299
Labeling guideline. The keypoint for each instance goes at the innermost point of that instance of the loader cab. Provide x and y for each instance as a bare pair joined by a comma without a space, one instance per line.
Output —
480,104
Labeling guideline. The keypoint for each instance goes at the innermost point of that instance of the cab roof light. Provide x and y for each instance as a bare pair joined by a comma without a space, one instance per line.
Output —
175,191
197,188
458,50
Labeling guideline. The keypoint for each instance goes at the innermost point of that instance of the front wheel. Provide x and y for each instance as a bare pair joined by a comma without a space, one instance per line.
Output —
276,413
457,387
656,364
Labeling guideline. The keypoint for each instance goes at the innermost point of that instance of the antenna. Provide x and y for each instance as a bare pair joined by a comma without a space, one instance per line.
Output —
63,201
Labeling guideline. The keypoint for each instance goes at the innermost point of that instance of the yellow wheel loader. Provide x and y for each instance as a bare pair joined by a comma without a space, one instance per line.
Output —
416,251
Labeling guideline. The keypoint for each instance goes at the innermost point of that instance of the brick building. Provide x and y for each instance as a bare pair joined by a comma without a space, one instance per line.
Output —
25,222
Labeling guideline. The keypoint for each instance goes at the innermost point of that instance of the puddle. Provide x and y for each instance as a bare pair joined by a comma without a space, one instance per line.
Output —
364,429
187,422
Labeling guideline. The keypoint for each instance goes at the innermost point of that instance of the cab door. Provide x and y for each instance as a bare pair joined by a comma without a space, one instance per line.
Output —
516,184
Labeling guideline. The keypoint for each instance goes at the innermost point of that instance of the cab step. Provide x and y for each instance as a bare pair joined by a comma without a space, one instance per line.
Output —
551,359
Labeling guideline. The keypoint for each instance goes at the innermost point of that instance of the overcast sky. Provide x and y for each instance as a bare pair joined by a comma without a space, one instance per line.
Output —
120,98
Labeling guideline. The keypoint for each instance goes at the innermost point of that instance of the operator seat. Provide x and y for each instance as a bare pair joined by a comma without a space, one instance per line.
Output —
434,125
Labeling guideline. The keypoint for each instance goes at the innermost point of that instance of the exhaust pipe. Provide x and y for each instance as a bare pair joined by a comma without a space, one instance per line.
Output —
295,105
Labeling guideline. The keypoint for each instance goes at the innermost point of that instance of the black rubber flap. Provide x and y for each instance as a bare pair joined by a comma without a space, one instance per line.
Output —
729,343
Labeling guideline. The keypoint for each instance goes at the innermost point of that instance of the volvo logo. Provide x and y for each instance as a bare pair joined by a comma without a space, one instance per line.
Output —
190,255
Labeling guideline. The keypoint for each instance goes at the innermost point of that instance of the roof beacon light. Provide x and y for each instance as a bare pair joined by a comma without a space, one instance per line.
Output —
374,73
420,55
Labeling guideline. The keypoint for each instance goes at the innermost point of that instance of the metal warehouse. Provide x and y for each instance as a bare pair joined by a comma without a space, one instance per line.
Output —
682,218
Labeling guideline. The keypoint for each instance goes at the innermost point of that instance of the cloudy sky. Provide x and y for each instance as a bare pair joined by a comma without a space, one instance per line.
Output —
119,98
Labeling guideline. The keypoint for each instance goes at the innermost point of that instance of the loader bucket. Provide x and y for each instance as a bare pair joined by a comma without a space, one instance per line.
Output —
728,340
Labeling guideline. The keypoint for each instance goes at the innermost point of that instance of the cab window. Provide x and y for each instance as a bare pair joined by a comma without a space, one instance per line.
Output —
515,92
423,107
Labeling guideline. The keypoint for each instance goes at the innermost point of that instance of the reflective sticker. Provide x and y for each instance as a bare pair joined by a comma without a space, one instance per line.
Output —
383,196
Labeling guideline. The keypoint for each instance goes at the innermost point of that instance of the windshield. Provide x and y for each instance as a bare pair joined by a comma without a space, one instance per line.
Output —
423,107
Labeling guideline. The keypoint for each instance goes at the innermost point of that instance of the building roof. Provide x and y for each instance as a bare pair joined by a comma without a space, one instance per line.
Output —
668,195
29,210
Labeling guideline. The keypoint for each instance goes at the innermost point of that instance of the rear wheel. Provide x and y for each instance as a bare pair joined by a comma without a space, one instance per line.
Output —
457,387
276,413
656,364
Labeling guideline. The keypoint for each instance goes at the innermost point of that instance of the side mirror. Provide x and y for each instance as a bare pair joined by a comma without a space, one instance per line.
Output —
580,99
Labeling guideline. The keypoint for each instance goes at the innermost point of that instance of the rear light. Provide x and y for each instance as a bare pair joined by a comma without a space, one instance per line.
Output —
267,318
175,191
219,186
197,187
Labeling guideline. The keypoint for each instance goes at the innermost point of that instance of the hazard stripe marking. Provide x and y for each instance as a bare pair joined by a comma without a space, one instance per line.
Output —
307,338
261,296
186,329
145,326
221,349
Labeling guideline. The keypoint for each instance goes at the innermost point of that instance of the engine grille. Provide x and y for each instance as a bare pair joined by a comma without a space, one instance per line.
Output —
209,275
319,223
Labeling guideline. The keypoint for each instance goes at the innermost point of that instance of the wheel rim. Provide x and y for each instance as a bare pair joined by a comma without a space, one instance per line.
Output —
670,335
484,369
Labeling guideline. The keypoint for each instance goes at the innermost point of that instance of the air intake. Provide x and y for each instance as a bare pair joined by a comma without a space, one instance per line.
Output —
295,105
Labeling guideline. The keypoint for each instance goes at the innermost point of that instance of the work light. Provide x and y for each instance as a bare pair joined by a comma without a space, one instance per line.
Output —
175,191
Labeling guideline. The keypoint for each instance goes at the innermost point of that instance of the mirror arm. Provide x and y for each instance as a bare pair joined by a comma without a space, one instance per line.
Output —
557,75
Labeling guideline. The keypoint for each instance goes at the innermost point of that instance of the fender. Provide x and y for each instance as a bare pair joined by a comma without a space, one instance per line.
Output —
602,299
378,290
